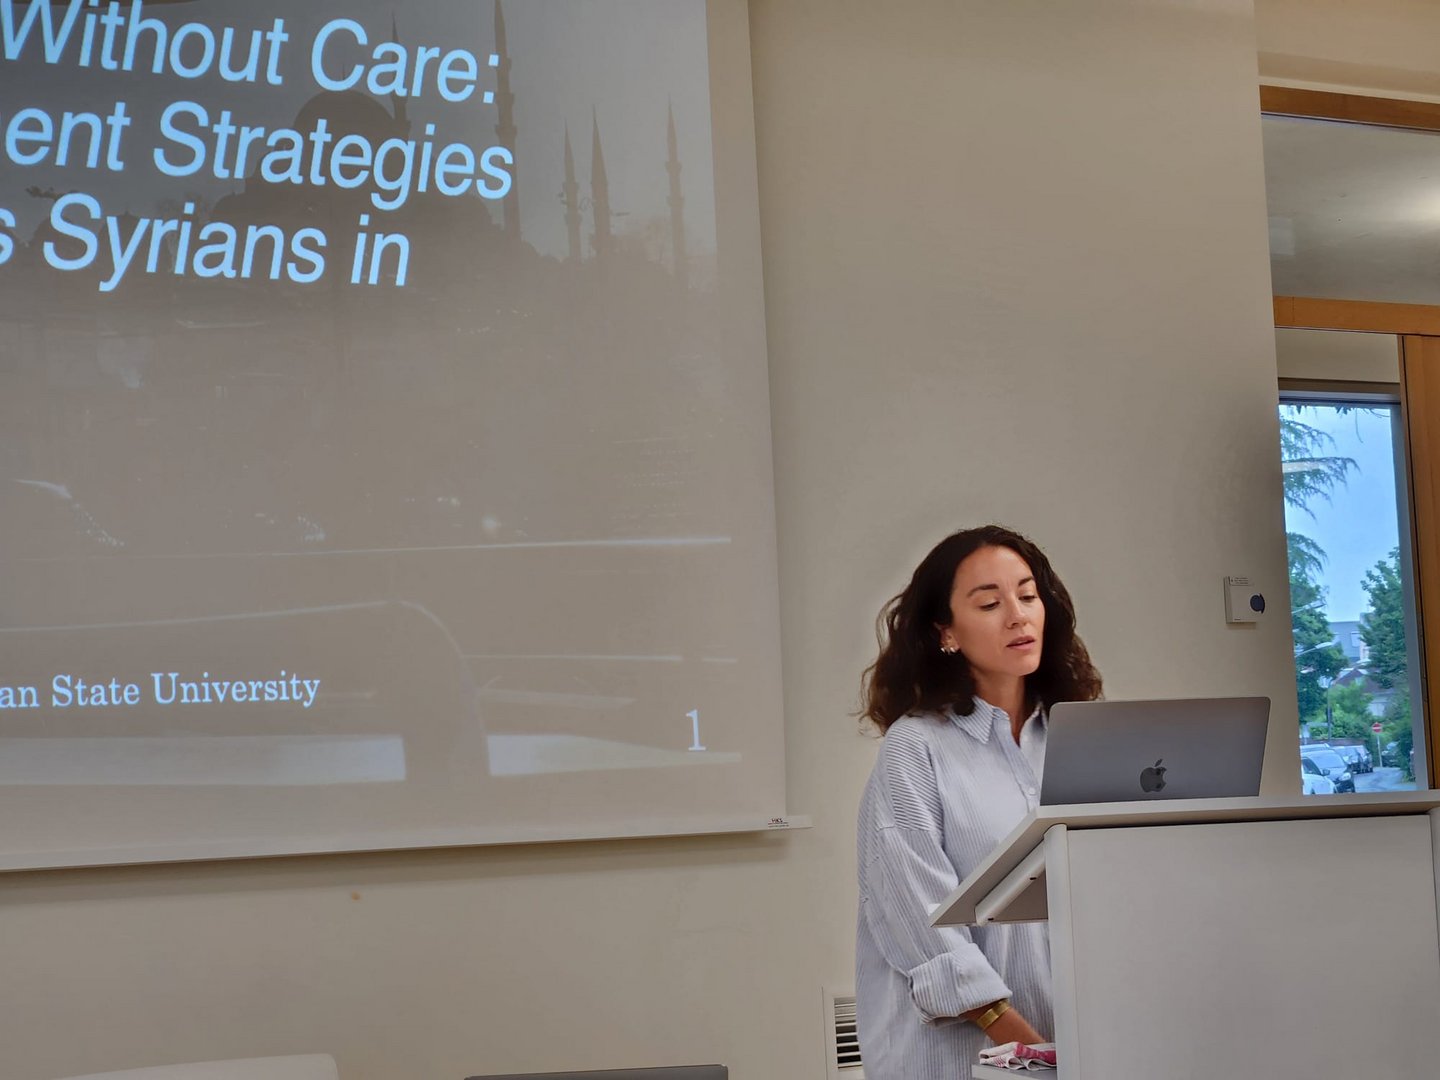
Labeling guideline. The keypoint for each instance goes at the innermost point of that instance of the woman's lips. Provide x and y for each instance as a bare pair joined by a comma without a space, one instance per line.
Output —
1021,643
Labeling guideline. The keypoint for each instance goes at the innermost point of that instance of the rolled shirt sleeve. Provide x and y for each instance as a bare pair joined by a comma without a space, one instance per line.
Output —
906,874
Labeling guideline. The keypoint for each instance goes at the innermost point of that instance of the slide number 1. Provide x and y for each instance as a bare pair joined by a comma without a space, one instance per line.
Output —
694,715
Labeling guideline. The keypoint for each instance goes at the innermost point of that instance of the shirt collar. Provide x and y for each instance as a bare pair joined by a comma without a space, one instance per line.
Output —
984,717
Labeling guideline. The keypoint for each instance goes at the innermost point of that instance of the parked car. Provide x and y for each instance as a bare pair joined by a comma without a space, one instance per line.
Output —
1357,757
1314,747
1313,781
1332,765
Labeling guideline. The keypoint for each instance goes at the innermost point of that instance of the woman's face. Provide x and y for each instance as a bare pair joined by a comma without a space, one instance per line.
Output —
997,616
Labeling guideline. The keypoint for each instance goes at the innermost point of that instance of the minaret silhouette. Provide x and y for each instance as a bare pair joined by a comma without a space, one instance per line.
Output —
571,194
602,241
398,104
505,129
677,200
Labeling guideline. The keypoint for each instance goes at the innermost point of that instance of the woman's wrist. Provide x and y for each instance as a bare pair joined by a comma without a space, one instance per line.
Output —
990,1015
974,1014
1013,1027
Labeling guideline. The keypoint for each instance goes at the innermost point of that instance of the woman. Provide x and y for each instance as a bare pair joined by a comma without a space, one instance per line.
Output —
974,651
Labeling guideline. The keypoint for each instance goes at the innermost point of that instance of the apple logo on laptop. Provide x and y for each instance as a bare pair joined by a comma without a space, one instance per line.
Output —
1153,778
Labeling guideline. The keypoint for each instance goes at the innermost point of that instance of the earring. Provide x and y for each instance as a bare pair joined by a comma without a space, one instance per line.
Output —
947,649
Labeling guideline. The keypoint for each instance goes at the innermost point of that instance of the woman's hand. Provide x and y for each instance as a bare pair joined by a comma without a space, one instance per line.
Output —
1013,1027
1009,1026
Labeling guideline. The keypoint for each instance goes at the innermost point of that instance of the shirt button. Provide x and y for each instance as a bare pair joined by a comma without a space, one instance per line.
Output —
1030,790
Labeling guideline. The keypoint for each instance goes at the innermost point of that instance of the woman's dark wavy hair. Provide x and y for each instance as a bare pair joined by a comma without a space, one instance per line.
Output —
913,675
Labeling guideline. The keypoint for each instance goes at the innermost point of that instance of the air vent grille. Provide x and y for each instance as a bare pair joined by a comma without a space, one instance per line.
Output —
843,1050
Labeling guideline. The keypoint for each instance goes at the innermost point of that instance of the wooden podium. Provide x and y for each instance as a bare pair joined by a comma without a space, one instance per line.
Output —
1216,938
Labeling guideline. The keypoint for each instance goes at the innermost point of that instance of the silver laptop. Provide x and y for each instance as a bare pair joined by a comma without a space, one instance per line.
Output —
680,1072
1125,751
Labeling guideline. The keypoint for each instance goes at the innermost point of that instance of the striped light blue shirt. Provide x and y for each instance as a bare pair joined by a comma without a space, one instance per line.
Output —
945,790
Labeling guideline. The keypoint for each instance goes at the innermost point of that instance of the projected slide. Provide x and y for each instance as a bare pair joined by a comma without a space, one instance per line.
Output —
384,431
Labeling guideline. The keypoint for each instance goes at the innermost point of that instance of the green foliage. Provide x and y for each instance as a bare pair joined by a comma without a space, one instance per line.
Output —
1306,557
1346,727
1349,714
1397,713
1398,728
1316,660
1308,472
1383,627
1352,702
1351,708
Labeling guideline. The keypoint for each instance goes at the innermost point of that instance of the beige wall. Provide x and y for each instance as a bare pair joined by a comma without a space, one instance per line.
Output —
1015,270
1378,46
1332,356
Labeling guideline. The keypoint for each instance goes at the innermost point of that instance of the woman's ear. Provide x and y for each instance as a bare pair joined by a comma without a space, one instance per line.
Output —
947,640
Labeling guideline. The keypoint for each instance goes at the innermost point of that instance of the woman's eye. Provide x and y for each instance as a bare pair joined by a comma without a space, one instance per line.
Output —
1029,599
990,606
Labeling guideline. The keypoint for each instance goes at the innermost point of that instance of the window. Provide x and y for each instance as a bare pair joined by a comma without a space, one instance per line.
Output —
1352,592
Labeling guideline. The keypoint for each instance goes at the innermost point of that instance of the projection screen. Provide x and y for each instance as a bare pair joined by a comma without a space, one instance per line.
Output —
384,427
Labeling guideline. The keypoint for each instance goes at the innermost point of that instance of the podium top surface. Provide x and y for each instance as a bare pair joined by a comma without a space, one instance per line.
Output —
959,907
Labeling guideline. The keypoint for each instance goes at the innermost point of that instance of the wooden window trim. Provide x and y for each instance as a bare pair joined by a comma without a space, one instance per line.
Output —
1360,316
1350,108
1319,390
1420,415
